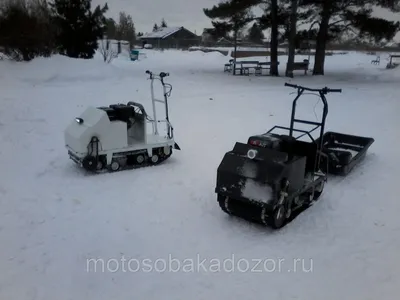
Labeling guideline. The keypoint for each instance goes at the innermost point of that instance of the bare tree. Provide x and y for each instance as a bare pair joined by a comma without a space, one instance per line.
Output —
107,52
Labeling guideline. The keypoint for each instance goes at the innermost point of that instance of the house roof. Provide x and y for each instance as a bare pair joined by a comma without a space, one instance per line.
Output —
161,33
208,30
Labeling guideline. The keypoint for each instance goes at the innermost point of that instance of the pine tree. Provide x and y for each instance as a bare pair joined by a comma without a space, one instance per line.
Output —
276,17
155,27
336,17
111,28
26,29
79,27
220,30
233,16
126,28
163,23
255,34
292,37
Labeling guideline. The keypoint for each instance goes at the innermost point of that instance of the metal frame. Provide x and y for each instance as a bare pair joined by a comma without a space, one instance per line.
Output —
167,89
305,132
322,92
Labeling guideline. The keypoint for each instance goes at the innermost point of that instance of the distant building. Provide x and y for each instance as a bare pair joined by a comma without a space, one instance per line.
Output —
171,37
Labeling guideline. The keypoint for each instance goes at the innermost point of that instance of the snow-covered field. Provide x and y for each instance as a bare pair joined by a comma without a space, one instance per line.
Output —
147,226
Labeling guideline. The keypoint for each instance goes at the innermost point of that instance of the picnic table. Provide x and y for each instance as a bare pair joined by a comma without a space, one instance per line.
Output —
244,67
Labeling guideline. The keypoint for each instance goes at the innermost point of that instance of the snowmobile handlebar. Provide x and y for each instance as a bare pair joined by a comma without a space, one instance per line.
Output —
161,75
324,90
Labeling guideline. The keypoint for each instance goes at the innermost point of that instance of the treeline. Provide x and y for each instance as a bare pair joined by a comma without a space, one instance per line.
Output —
32,28
123,30
163,24
327,20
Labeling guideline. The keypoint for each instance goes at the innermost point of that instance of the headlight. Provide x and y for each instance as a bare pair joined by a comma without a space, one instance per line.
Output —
79,120
252,154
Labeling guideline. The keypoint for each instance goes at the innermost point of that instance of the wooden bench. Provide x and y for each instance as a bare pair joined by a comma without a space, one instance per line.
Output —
376,61
263,66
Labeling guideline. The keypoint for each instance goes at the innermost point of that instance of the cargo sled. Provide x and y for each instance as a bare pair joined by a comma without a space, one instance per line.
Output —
121,136
344,152
274,177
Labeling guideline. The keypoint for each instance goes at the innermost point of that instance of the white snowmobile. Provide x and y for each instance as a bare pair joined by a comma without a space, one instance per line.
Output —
117,136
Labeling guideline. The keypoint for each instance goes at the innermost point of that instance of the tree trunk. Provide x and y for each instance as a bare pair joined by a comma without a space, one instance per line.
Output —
273,71
235,37
292,39
319,59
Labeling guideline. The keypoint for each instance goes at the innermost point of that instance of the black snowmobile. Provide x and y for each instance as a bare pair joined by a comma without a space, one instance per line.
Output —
274,177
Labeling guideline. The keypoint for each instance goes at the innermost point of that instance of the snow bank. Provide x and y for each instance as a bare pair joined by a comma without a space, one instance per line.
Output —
65,71
60,69
183,57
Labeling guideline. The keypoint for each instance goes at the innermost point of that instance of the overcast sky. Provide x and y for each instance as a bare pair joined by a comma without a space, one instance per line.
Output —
187,13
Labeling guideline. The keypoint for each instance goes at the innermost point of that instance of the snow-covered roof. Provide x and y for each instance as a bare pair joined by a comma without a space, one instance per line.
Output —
161,33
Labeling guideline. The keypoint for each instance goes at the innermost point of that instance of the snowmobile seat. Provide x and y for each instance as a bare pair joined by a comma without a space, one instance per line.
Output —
309,150
296,148
287,144
123,112
109,111
287,139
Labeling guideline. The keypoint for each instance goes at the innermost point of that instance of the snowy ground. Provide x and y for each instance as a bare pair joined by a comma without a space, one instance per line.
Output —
54,218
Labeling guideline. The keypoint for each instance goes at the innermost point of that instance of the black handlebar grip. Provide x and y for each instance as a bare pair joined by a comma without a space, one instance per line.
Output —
162,74
335,90
291,85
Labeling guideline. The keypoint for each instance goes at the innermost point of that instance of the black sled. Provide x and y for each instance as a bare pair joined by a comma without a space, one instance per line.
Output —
344,152
274,177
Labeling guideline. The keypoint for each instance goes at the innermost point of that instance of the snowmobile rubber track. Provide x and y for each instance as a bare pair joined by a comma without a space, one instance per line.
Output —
254,212
135,165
